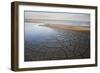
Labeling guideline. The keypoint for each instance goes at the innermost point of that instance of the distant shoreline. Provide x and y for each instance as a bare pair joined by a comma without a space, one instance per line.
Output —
67,27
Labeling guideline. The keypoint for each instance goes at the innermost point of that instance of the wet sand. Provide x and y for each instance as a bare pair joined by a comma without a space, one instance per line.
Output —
56,44
67,27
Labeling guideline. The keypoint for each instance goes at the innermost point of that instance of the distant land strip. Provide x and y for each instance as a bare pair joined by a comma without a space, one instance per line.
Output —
67,27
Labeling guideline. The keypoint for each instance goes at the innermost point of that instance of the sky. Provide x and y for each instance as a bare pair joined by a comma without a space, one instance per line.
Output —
82,19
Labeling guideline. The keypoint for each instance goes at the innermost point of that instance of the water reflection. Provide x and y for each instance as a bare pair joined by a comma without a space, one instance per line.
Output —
36,32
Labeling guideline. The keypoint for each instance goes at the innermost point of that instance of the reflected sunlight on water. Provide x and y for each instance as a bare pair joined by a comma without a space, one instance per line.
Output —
35,32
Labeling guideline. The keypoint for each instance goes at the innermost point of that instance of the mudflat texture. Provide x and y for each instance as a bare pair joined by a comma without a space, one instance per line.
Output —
46,43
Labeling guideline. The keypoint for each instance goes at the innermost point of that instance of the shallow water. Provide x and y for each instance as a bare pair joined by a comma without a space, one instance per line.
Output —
45,43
